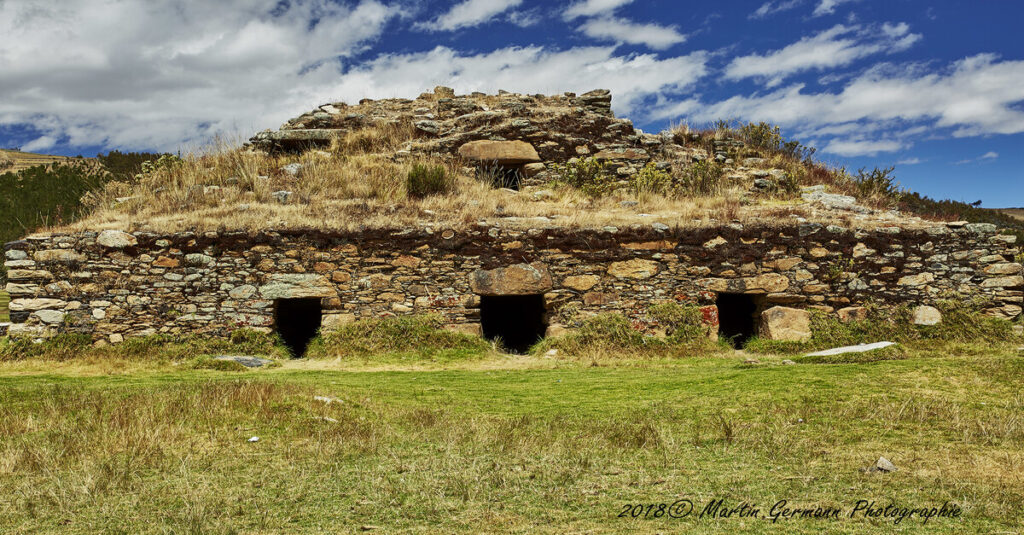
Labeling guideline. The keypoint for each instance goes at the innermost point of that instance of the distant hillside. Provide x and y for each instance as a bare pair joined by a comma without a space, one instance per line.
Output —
1016,213
16,160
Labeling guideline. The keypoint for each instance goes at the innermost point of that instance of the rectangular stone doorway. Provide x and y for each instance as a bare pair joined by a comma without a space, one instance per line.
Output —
519,321
738,317
297,321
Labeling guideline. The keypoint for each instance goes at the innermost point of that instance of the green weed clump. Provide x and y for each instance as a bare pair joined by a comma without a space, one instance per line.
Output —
155,347
609,333
415,336
651,181
425,180
769,138
702,178
877,183
585,174
612,334
683,323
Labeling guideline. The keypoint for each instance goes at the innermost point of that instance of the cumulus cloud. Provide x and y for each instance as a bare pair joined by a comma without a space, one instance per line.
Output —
978,95
590,8
835,47
125,74
470,13
990,155
625,31
245,65
827,7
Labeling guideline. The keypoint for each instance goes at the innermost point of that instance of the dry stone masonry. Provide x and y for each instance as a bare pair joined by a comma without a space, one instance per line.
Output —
509,129
113,285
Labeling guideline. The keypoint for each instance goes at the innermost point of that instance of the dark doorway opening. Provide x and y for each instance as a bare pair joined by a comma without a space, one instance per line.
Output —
297,322
501,176
737,317
519,321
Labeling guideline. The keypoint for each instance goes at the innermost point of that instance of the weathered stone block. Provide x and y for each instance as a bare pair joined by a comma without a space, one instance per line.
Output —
245,291
58,255
581,283
1003,282
115,239
294,286
1004,268
20,290
50,317
848,314
518,279
31,305
926,315
499,152
919,279
471,329
788,324
634,269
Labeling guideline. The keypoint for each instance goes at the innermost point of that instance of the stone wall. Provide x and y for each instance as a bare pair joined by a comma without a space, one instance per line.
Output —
112,284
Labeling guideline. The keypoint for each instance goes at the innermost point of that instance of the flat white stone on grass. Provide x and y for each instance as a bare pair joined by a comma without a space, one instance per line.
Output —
862,348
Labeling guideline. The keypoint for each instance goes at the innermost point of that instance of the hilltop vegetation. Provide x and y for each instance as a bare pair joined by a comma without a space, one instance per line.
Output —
16,160
56,193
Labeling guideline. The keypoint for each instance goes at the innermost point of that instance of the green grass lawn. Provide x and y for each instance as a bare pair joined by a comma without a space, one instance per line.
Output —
5,300
509,445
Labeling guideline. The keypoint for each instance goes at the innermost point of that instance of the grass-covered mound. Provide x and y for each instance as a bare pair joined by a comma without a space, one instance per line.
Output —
612,335
415,338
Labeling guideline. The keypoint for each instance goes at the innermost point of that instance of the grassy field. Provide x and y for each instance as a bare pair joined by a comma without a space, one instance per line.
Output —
1017,213
503,444
24,160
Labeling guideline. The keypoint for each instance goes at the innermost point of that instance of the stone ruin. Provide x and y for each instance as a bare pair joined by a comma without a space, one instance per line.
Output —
516,284
523,133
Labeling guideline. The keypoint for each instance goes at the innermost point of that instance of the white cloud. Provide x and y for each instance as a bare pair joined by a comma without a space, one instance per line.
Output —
827,7
125,74
979,95
624,31
632,79
835,47
862,147
39,144
990,155
121,73
590,8
525,19
910,161
470,13
770,8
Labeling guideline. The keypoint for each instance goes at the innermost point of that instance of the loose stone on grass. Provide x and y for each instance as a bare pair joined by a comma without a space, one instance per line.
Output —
247,361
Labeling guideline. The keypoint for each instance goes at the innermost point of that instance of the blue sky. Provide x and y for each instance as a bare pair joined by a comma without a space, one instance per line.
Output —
936,88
